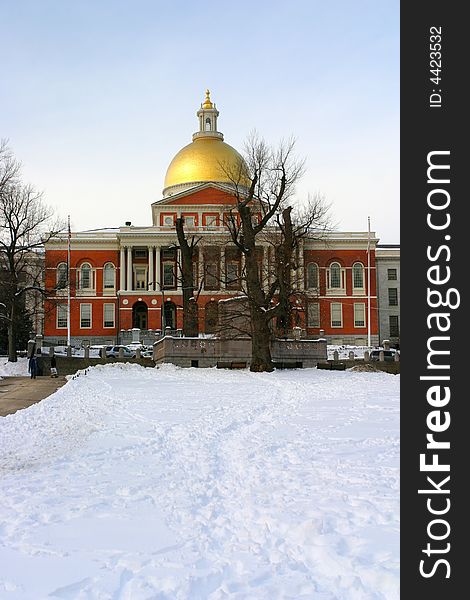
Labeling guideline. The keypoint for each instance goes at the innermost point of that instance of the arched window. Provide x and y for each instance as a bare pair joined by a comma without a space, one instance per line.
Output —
335,275
109,272
312,276
358,276
208,124
61,276
85,277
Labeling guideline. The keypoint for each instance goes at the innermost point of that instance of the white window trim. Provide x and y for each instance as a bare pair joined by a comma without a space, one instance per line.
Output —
109,290
331,315
308,315
193,217
114,315
316,287
397,303
364,315
91,314
57,272
166,286
359,291
57,316
140,267
337,291
90,291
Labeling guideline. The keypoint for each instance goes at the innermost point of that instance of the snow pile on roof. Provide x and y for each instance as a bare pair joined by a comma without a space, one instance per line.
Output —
202,483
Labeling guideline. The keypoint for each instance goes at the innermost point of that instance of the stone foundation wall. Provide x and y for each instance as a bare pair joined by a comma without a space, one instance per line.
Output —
204,352
197,352
69,366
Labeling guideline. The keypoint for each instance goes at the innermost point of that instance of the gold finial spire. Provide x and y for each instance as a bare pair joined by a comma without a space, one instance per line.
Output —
207,102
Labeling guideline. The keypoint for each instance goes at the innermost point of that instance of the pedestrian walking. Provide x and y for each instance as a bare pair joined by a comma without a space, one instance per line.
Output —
53,367
33,367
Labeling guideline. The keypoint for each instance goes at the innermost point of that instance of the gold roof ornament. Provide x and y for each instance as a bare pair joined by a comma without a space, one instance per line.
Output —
207,102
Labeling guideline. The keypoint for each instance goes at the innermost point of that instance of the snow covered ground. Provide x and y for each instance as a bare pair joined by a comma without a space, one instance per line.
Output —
8,369
169,484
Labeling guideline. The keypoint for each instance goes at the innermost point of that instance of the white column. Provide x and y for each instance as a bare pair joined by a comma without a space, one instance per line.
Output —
129,268
122,270
151,274
301,266
157,268
223,267
178,269
270,265
200,267
265,268
293,272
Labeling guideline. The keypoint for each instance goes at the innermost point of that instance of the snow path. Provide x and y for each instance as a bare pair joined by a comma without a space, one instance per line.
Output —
170,483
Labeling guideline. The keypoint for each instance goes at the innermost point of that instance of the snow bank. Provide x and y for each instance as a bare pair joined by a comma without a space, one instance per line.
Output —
8,369
201,483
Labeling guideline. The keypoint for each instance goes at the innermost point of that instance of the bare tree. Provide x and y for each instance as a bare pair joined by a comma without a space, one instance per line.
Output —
264,216
26,223
188,253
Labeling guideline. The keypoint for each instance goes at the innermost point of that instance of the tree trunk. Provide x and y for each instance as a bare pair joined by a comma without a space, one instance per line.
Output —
12,336
190,309
260,343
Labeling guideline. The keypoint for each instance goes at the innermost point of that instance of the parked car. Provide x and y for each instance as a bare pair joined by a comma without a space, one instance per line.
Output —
147,354
114,352
389,355
96,349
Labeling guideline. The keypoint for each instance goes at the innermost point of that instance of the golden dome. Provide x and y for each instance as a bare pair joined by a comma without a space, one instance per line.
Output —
205,159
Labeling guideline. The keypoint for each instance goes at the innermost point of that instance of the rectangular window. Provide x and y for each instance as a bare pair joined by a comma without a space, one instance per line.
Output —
336,314
359,315
108,315
313,315
392,296
140,278
211,280
210,220
392,274
85,280
169,275
233,275
140,253
394,326
62,276
108,277
85,316
61,316
168,220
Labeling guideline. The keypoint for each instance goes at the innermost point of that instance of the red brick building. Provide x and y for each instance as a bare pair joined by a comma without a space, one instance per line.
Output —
128,277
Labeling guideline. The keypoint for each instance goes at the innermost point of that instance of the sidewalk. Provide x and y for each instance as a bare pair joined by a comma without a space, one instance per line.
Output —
20,392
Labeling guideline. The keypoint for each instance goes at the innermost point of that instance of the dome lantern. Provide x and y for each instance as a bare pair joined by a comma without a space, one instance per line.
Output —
207,158
207,115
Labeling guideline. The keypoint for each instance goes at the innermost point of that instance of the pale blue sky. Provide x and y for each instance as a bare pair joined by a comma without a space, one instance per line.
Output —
99,95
